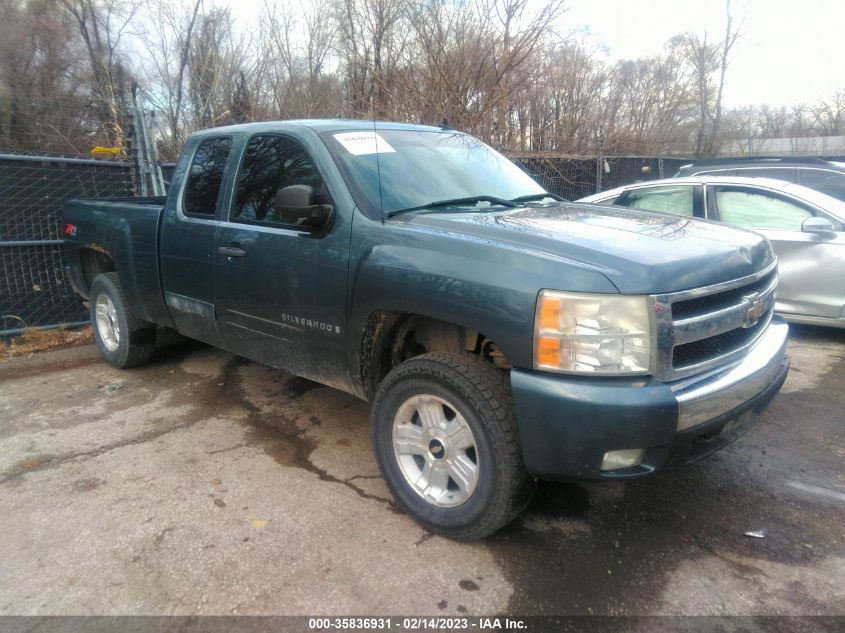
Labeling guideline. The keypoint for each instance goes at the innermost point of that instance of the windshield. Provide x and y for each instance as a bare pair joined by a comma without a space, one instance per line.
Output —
421,167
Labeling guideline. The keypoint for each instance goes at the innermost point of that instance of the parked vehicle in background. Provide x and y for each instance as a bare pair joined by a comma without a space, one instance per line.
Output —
501,334
804,226
825,176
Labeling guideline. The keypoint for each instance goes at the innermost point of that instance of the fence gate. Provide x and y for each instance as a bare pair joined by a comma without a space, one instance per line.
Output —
33,289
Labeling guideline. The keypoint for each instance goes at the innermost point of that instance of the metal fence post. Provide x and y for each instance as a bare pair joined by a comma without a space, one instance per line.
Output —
599,158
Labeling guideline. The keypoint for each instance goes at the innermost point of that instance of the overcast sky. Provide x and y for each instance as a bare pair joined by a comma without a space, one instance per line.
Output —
790,51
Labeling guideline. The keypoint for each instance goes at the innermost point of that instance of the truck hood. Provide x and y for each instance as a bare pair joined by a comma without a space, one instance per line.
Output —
639,252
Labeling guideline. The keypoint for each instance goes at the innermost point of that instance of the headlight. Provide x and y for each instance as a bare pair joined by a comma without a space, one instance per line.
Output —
588,334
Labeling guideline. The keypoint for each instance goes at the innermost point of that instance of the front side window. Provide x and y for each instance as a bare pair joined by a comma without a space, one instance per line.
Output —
678,199
206,176
759,210
273,163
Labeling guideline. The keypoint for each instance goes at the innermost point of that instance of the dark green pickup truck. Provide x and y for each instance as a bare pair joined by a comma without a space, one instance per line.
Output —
502,335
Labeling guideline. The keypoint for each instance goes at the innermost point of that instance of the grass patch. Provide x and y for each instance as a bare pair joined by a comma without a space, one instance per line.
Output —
33,341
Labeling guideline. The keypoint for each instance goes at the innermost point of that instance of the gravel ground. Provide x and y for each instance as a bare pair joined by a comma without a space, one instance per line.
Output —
206,484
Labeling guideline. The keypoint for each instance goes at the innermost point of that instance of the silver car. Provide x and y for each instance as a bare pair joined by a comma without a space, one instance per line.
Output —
806,228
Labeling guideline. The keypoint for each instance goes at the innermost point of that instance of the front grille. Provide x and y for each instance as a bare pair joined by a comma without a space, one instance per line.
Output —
714,346
719,301
705,328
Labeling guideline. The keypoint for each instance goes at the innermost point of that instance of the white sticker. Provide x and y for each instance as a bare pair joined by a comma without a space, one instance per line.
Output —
360,143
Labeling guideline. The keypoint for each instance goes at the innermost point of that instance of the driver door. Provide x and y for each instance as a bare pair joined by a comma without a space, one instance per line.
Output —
280,286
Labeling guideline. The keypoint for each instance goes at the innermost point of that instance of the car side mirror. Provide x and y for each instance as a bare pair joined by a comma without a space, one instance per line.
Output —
817,225
298,205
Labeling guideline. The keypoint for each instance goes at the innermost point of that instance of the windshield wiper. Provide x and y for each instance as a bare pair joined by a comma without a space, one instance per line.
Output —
456,202
539,196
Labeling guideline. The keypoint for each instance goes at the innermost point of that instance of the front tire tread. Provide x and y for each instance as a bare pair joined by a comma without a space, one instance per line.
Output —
487,390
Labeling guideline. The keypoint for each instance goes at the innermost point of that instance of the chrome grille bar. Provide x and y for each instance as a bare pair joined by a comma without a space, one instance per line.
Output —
721,321
736,311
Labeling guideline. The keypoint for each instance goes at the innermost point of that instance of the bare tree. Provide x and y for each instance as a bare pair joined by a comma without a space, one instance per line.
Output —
474,64
710,63
102,24
829,115
500,69
43,107
219,68
167,41
566,100
652,101
372,34
296,46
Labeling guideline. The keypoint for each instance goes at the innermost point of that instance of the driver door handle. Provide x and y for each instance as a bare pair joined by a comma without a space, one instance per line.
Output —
231,251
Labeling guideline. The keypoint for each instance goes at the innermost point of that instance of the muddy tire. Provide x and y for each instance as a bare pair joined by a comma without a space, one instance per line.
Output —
445,437
123,339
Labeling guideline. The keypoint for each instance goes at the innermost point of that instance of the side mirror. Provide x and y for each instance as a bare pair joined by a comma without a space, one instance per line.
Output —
298,205
817,225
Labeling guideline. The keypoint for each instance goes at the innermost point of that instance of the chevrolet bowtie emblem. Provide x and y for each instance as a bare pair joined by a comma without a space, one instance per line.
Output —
756,308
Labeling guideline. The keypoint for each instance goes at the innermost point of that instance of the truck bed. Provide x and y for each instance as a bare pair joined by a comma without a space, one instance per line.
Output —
126,229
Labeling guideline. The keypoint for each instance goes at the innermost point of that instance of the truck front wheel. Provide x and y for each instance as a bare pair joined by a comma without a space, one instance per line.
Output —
445,437
123,339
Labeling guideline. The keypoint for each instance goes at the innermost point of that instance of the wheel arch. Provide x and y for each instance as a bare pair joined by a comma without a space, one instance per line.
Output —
390,337
93,261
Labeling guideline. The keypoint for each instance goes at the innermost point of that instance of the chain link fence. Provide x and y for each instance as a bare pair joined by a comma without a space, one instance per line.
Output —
33,289
574,178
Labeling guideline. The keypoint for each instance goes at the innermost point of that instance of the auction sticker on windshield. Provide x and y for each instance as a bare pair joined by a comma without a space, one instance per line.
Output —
361,143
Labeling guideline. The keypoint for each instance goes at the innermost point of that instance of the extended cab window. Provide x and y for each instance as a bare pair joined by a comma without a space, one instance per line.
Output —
206,176
676,199
273,163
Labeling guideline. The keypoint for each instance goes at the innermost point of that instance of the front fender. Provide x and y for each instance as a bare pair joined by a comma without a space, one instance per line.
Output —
487,287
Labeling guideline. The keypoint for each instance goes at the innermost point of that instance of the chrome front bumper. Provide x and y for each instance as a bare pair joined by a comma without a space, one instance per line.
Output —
707,397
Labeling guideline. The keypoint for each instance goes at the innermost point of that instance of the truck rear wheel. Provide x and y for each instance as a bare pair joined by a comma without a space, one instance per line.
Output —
123,339
445,437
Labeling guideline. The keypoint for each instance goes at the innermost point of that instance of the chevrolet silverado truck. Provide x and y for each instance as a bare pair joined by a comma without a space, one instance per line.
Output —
501,334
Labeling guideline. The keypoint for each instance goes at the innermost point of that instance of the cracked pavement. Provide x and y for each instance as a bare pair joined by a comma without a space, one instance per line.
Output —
207,484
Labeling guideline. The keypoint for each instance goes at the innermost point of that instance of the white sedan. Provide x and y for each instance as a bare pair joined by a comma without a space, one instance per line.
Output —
806,228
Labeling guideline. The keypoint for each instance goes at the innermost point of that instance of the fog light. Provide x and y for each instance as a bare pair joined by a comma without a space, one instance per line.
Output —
626,458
